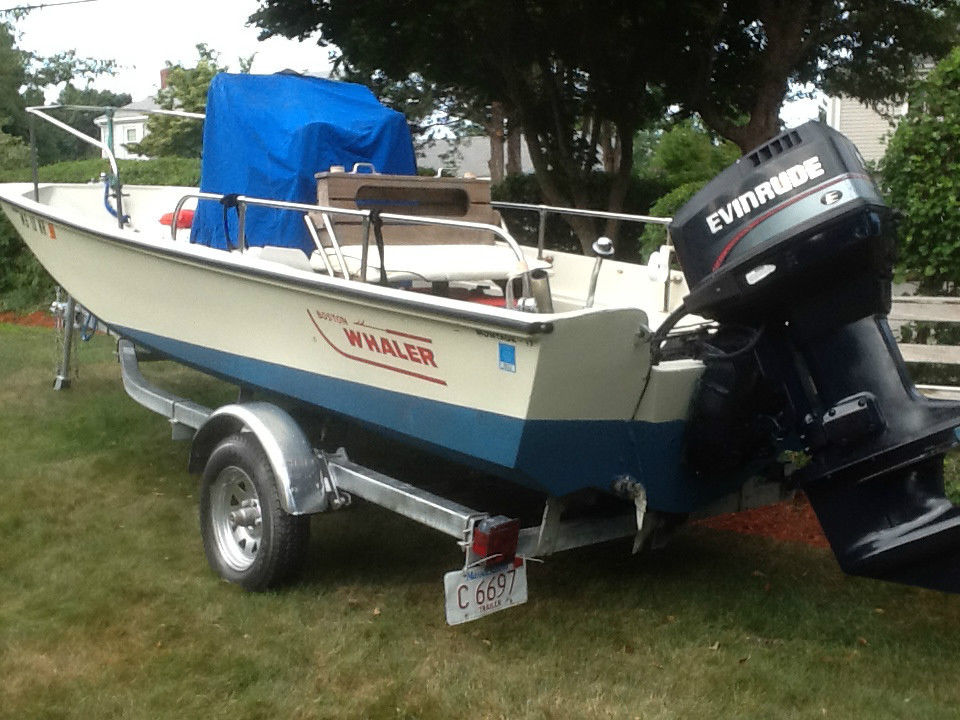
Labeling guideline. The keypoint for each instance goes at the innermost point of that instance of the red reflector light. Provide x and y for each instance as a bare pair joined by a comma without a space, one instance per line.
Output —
496,538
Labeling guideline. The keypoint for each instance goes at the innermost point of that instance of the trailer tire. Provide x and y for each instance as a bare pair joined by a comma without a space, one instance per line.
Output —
247,536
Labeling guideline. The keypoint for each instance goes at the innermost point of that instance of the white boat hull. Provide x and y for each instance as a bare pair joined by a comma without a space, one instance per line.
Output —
558,402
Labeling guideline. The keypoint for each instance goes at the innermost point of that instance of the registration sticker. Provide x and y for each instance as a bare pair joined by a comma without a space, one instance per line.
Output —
508,357
476,592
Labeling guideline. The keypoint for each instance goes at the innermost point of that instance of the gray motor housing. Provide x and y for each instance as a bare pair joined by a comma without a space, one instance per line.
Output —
793,214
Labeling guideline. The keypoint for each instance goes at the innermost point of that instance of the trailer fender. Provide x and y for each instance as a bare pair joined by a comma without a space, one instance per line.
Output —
297,469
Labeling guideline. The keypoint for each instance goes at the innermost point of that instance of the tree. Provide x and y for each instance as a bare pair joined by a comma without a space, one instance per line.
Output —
186,90
683,157
13,77
23,78
67,146
580,77
430,107
921,175
686,152
746,54
427,106
564,72
13,153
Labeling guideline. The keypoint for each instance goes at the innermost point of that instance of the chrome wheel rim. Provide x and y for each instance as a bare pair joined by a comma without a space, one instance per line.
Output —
236,517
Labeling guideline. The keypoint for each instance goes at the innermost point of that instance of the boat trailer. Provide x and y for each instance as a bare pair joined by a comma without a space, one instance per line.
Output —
307,481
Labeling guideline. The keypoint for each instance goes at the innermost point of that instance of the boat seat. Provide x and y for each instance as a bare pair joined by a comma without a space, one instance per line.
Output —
291,257
432,263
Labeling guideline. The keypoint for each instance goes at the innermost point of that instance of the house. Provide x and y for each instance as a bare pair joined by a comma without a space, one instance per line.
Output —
468,155
866,128
129,126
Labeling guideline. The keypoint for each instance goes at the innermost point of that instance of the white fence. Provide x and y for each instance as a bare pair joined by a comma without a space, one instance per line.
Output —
929,309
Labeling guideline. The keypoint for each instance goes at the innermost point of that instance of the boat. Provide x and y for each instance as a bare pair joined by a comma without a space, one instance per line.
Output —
403,304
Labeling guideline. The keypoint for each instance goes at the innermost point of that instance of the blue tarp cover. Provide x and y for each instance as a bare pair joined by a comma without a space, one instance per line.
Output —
266,135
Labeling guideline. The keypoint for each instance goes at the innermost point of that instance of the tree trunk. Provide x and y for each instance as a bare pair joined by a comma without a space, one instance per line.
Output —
610,151
621,178
495,132
514,149
585,228
785,26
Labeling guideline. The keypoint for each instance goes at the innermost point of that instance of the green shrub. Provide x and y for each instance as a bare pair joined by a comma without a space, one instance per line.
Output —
921,174
656,235
158,171
686,153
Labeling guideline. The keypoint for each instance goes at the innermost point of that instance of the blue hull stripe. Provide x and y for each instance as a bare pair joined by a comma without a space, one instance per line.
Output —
553,456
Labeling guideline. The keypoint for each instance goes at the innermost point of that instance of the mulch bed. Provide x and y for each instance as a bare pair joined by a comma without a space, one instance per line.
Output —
40,318
791,521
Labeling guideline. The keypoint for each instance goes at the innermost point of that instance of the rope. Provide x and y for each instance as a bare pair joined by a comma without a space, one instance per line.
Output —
377,222
109,183
228,201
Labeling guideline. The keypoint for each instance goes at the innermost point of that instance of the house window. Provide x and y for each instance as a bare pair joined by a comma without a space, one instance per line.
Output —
131,134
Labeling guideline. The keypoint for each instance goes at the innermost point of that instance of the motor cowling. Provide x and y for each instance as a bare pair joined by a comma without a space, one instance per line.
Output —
795,242
788,220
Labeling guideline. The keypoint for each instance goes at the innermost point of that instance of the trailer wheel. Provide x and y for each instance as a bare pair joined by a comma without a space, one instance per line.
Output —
247,537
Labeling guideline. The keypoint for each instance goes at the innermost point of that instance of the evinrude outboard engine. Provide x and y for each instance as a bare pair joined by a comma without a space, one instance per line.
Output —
793,247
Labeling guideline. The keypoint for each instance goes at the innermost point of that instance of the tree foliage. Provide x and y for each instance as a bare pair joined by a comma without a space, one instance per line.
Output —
186,90
747,53
683,158
684,153
23,78
584,77
562,71
921,174
66,147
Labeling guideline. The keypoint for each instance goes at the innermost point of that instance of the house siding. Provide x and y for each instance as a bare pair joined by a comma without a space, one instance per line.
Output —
866,128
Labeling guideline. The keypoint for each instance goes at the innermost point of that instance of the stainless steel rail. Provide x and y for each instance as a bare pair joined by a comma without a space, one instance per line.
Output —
244,201
111,158
545,210
105,148
38,111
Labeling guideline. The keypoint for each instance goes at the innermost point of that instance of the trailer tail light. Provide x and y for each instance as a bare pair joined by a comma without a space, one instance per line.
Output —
495,539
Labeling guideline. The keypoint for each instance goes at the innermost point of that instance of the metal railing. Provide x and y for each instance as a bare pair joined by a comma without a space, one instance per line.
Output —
105,148
243,201
545,210
37,110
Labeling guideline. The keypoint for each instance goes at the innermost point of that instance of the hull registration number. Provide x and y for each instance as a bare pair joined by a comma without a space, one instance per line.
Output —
473,593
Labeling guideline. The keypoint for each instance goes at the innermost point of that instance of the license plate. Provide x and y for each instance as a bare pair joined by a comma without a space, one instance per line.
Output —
473,593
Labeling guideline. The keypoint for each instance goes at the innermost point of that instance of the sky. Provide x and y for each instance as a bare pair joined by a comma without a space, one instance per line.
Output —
141,35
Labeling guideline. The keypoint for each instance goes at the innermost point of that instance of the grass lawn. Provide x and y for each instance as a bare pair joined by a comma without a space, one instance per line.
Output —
108,610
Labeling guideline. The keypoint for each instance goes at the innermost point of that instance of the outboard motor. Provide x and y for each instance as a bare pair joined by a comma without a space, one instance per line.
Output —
794,247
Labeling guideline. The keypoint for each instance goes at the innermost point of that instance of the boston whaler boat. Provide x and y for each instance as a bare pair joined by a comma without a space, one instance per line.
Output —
400,303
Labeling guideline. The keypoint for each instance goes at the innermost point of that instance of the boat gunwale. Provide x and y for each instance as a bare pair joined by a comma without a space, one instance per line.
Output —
319,282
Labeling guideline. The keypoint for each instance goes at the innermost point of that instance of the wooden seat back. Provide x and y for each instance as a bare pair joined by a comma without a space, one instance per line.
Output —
448,198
